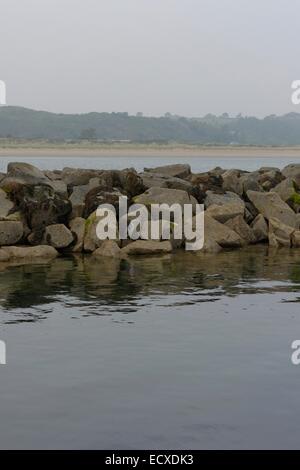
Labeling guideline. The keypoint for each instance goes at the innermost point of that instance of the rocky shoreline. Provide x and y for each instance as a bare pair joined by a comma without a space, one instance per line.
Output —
44,214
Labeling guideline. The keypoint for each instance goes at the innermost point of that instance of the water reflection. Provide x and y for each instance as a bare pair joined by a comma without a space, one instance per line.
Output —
90,286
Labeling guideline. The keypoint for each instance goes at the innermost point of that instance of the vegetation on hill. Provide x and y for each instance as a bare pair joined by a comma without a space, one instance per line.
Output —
22,123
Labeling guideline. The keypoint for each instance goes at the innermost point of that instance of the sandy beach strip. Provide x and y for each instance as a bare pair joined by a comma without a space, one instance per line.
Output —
150,151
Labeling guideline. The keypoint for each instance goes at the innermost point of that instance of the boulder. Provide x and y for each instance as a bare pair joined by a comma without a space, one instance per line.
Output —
77,200
53,175
11,232
108,249
250,182
58,236
98,196
225,212
292,171
232,182
228,197
271,205
165,196
221,234
91,241
24,173
42,251
260,228
210,246
78,176
131,182
60,188
296,239
279,233
147,247
164,181
286,189
178,170
4,256
207,181
5,204
270,179
77,227
239,225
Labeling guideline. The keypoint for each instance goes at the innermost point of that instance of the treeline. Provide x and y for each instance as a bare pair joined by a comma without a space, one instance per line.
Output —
22,123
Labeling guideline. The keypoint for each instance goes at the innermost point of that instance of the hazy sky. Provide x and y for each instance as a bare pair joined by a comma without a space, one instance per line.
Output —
188,57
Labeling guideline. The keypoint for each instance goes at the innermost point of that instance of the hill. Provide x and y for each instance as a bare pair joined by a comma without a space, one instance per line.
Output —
18,122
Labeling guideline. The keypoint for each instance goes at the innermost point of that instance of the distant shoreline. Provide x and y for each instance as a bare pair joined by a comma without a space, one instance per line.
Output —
151,150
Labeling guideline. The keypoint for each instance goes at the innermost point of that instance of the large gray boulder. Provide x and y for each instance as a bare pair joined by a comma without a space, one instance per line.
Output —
77,200
222,199
250,181
165,196
179,170
91,241
292,171
41,207
147,247
271,205
271,178
58,236
223,207
286,189
279,233
11,232
108,249
221,234
24,173
4,256
225,212
5,204
41,251
260,228
238,225
78,176
232,182
165,181
77,227
296,239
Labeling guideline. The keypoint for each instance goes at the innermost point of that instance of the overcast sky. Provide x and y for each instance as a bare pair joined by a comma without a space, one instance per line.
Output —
188,57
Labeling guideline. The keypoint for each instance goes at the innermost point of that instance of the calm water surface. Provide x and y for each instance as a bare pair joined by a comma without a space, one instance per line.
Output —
140,162
180,351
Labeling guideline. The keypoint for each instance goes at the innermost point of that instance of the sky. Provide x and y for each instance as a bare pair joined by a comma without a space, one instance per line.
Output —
186,57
